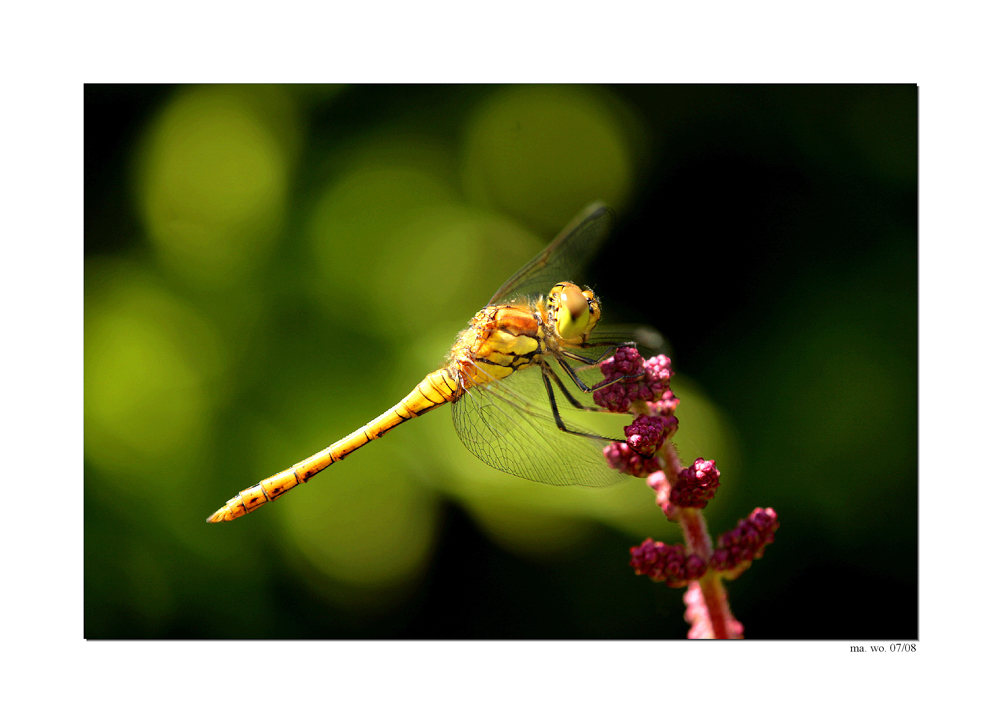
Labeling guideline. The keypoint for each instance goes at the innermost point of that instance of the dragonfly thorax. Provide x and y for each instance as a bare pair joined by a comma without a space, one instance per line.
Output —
572,312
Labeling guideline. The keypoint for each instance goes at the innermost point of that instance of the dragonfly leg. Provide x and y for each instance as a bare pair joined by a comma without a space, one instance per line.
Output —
551,375
547,375
600,384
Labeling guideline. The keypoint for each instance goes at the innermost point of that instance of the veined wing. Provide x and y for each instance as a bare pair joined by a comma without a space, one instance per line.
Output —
509,425
562,259
648,340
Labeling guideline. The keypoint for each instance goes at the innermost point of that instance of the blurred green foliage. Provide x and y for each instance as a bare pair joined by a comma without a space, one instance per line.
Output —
267,268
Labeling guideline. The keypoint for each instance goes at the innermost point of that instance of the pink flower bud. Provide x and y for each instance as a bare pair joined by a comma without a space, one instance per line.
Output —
646,434
622,458
695,485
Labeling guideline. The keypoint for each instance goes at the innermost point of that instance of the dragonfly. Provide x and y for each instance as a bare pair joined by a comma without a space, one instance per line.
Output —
504,378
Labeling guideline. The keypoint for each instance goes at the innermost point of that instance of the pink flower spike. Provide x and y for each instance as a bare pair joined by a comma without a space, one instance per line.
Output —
695,485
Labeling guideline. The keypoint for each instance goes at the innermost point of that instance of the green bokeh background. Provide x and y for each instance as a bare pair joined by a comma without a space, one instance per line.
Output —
269,267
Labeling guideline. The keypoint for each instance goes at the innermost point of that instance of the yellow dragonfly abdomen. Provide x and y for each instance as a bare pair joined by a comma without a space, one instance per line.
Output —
435,390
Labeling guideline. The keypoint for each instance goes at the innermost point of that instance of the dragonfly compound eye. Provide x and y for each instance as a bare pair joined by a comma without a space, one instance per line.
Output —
572,311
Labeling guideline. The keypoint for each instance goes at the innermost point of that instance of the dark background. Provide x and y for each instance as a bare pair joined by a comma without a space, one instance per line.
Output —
267,268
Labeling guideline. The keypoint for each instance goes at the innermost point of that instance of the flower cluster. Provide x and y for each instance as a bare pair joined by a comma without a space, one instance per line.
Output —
694,488
669,564
656,382
643,438
665,406
641,380
646,434
620,456
695,485
739,546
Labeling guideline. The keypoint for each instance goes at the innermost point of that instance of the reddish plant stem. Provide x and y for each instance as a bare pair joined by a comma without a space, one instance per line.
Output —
695,530
698,541
714,595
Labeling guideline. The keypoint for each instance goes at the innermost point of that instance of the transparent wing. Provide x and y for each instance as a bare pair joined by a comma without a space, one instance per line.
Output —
562,260
646,338
509,425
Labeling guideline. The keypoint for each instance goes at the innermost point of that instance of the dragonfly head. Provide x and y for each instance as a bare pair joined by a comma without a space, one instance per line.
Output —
573,311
